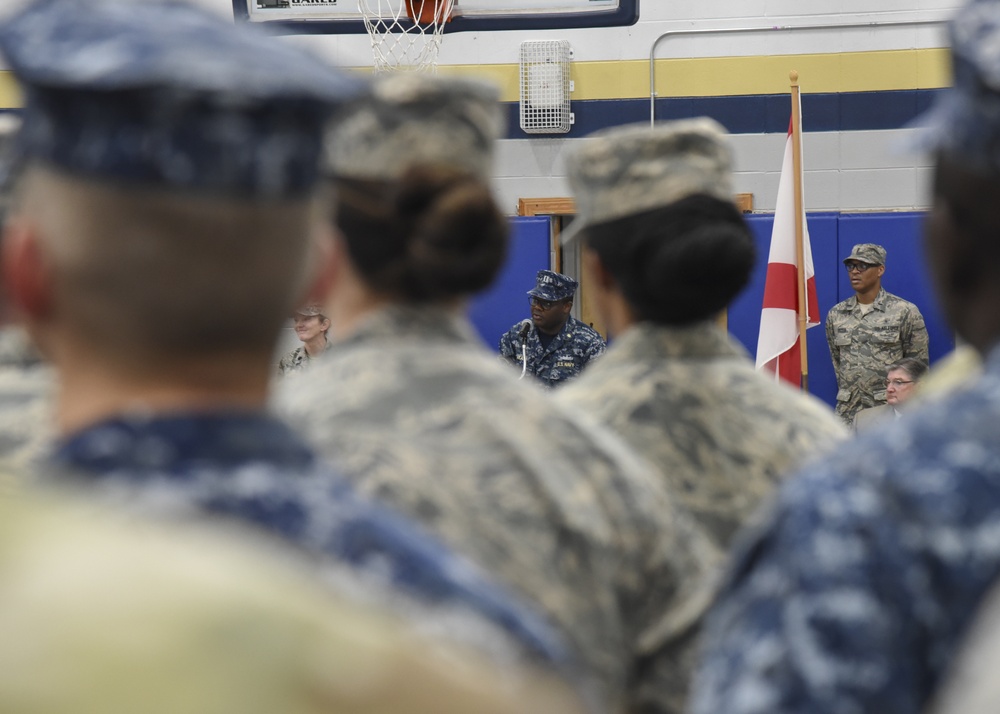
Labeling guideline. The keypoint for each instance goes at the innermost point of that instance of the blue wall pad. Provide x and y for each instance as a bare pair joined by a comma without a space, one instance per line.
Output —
832,236
506,302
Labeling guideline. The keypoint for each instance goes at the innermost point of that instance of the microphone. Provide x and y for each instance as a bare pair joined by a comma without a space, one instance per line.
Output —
523,331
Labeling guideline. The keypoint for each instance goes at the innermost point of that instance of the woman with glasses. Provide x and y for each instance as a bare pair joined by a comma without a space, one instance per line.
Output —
415,411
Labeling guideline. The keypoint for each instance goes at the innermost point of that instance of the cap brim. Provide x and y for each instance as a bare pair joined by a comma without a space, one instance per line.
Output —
933,129
573,232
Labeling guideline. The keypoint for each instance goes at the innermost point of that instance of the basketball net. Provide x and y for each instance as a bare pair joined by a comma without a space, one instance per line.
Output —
406,34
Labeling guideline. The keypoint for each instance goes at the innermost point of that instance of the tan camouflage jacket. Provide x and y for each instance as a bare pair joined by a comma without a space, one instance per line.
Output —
416,412
863,346
688,399
106,614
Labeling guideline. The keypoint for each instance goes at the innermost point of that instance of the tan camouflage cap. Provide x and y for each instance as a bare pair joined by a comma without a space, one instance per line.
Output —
409,119
310,311
867,253
635,168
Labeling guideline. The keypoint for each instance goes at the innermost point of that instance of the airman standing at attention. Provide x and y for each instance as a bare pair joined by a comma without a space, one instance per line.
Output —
869,331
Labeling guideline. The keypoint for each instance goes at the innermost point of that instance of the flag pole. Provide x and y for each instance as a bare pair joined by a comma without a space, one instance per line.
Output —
793,76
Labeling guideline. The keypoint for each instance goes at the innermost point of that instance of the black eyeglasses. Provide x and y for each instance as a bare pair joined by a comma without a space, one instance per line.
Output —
857,267
897,382
544,304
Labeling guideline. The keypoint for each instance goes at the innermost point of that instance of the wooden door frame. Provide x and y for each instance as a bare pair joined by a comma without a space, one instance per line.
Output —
557,207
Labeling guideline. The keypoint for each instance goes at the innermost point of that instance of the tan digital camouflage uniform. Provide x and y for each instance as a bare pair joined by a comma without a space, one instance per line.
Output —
426,419
689,400
863,346
101,615
26,391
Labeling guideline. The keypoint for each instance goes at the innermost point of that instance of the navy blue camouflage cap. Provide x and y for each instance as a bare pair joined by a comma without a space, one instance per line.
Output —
965,121
161,93
411,119
553,286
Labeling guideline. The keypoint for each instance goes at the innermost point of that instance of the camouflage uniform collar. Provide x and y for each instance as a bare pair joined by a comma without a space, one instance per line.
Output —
698,341
405,322
878,303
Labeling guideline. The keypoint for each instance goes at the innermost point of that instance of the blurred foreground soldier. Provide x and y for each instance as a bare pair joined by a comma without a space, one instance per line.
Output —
172,167
855,594
667,250
26,382
311,327
972,686
412,408
553,346
870,331
105,615
900,385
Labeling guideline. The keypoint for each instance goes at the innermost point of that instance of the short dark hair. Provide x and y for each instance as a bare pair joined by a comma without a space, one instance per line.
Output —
171,273
435,234
915,368
677,264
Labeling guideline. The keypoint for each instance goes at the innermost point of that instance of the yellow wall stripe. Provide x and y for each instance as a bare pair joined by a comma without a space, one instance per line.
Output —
709,76
735,76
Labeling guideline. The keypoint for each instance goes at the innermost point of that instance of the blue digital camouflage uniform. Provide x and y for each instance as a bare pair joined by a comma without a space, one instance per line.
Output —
565,357
417,414
721,435
856,592
251,467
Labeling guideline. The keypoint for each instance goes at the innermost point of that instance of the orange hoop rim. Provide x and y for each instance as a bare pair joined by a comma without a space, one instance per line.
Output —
430,12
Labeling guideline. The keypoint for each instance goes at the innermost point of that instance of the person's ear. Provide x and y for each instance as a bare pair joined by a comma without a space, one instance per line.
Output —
322,266
595,270
27,273
881,270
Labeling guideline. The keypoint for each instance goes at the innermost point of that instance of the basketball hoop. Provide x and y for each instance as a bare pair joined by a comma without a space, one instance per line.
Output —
406,34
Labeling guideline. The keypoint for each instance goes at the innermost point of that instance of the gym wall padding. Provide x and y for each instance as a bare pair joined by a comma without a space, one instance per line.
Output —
832,236
506,302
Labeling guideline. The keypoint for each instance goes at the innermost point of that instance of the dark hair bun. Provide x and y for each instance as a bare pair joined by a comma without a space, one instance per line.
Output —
435,234
456,235
681,263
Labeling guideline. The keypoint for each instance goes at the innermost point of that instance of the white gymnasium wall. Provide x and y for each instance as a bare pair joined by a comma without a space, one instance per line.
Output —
847,171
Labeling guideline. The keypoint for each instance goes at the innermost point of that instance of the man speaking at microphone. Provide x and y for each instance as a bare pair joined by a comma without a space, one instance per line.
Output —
552,346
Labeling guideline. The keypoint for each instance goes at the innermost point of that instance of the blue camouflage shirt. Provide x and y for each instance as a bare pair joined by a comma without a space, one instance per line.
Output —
252,467
854,594
564,358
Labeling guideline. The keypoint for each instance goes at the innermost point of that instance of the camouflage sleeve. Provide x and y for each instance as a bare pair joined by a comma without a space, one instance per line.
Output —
834,350
914,336
507,347
596,349
810,617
